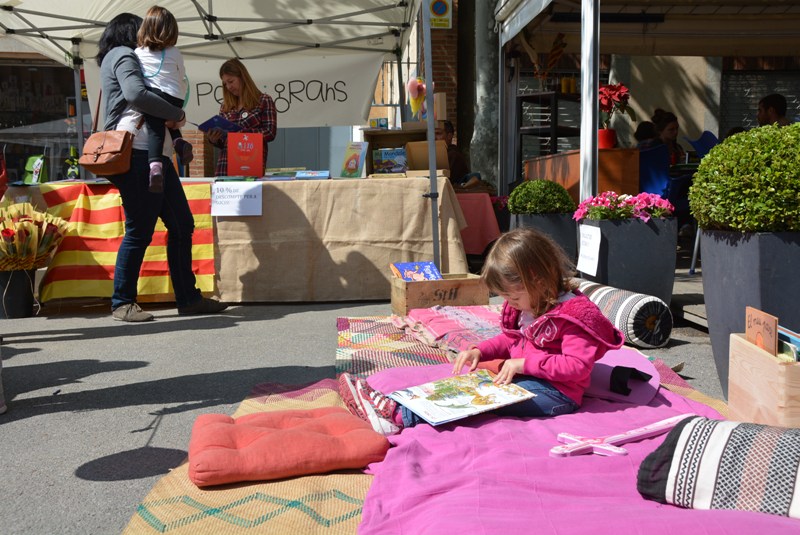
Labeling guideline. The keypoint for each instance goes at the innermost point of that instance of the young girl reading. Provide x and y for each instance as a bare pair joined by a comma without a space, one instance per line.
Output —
551,336
165,75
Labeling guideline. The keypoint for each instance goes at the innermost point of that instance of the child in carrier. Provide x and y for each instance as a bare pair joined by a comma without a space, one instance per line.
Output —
165,75
551,336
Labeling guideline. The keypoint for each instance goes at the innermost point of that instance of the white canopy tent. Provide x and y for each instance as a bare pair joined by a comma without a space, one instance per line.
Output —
642,27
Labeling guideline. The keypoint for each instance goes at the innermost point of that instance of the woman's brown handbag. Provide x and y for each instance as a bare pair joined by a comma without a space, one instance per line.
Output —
107,153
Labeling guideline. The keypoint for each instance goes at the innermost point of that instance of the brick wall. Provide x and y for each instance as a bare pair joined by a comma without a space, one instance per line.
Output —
444,53
203,163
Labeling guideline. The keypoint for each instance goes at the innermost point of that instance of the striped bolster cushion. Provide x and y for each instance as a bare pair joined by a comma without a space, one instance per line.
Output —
644,320
714,464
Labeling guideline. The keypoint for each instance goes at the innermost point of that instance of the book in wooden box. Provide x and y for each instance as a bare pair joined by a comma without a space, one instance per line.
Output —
454,289
761,388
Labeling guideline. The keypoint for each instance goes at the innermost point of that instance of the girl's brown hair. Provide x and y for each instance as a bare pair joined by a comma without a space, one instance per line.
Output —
250,95
159,29
526,256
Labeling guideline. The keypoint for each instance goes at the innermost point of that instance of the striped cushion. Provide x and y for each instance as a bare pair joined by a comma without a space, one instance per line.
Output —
714,464
645,320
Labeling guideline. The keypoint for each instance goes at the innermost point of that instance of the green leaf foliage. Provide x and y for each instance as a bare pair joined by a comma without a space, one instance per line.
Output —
750,182
540,196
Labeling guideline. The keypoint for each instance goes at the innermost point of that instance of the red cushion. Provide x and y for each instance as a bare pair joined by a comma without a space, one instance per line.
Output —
275,445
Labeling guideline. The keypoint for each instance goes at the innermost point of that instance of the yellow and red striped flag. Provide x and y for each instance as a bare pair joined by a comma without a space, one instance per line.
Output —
83,265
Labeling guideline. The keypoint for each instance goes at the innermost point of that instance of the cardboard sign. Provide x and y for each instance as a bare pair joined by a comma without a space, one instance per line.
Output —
589,250
245,154
761,329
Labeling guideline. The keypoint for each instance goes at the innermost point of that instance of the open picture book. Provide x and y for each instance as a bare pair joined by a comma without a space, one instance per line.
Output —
459,396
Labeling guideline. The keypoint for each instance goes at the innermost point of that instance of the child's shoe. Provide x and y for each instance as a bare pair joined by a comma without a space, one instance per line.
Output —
356,394
184,150
156,177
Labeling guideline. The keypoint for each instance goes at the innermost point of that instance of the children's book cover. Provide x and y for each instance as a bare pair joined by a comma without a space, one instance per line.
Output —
354,156
245,154
218,121
416,271
459,396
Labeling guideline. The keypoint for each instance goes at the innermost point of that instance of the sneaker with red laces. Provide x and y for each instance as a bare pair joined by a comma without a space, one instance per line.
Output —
378,408
356,396
384,405
347,390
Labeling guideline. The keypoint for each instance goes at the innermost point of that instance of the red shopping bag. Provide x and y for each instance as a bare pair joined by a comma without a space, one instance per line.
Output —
245,154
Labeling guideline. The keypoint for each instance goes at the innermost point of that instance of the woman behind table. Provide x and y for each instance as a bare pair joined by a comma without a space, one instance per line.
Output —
551,336
245,105
667,129
126,97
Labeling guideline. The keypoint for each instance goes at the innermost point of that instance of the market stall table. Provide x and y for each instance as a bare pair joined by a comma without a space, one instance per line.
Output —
482,228
316,240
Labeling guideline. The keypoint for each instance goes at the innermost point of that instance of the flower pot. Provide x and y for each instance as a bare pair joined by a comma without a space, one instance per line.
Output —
757,269
637,256
17,296
561,227
606,138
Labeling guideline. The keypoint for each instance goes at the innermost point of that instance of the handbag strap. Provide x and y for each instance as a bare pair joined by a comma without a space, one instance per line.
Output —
97,111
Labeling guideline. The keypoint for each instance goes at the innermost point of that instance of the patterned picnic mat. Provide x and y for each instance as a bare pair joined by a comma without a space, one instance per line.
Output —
371,344
329,503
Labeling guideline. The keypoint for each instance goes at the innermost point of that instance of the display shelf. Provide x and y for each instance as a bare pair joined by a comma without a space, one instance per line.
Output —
546,122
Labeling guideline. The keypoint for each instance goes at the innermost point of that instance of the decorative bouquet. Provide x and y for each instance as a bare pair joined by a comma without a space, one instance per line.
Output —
614,98
610,205
28,237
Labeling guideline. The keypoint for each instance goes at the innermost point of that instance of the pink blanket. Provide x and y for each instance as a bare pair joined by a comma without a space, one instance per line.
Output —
494,475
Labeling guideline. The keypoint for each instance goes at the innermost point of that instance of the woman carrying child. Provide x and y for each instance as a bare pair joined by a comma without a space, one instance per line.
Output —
551,336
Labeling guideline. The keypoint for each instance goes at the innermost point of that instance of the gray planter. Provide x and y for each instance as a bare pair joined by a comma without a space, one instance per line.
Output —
561,227
747,269
637,256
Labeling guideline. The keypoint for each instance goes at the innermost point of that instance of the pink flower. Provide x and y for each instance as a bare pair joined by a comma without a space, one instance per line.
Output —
610,205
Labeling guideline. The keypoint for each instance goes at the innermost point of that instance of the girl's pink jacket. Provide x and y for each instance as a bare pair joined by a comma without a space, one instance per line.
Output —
560,346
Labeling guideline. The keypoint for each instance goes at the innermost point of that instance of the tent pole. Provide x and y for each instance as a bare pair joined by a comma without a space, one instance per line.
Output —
77,61
590,76
401,87
434,194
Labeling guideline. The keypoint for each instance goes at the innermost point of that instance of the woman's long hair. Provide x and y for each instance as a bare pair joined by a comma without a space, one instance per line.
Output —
250,95
121,31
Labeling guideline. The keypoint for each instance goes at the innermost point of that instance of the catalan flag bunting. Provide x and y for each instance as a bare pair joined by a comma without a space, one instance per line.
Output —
83,265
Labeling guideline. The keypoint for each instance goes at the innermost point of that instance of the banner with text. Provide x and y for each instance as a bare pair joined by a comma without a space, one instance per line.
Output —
316,91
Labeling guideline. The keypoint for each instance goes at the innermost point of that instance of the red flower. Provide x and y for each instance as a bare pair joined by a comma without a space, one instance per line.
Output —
612,98
8,234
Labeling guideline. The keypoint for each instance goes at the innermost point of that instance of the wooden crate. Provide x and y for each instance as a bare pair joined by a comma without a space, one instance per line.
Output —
762,389
454,289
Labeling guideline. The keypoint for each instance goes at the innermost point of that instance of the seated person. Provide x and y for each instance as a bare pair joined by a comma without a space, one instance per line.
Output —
645,135
459,169
771,110
667,128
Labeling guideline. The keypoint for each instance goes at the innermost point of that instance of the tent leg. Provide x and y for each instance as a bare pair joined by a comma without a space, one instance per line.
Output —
434,194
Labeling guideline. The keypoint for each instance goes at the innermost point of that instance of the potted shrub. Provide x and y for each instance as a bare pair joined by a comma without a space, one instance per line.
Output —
548,207
746,199
638,242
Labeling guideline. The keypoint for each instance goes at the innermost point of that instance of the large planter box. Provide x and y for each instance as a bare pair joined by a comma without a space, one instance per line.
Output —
462,289
747,269
762,389
637,256
561,227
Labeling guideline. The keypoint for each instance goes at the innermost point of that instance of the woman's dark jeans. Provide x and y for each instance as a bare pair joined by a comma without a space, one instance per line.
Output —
142,210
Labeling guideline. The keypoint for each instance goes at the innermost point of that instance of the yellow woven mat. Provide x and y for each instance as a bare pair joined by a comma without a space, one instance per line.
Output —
329,504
